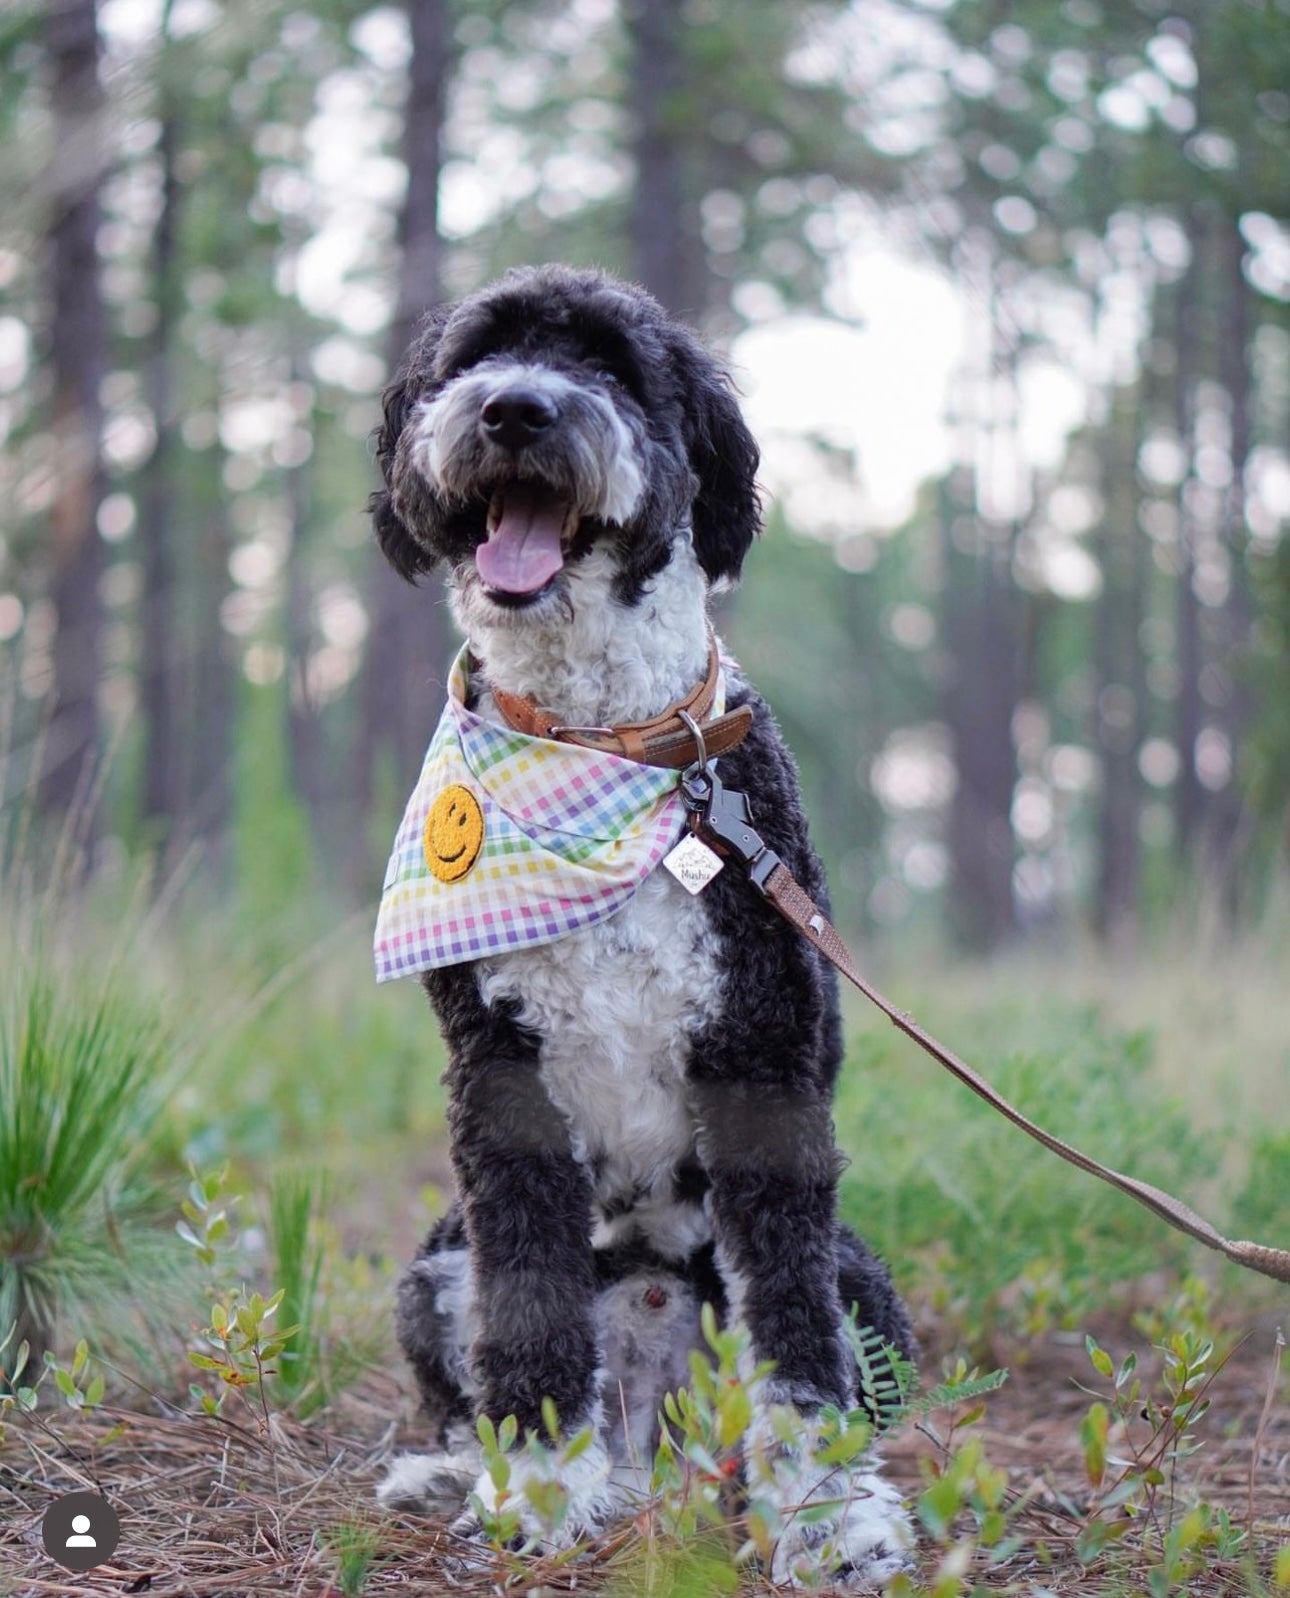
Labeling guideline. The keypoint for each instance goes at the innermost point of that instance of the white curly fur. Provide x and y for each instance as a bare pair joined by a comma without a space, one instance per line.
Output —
865,1540
445,445
582,654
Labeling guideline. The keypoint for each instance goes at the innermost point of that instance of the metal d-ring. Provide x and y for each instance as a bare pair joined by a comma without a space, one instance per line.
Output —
696,732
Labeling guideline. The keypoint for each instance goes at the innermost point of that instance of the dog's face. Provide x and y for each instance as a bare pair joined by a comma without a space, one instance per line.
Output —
557,415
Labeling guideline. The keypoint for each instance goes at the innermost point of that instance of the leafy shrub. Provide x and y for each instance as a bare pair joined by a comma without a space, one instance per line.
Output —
1000,1230
1260,1211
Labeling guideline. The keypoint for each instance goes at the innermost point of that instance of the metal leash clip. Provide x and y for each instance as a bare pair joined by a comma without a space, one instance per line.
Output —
723,816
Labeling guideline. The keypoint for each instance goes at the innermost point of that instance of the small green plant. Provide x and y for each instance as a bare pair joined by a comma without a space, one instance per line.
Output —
530,1500
85,1071
1138,1490
80,1386
244,1349
296,1204
315,1359
207,1225
1191,1309
355,1547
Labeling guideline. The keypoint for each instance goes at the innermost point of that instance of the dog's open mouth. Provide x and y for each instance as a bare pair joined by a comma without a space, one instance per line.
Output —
529,528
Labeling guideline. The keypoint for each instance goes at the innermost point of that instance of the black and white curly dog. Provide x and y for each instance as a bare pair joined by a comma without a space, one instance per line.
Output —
640,1112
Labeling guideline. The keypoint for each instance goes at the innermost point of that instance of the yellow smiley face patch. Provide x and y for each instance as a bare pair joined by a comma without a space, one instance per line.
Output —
454,833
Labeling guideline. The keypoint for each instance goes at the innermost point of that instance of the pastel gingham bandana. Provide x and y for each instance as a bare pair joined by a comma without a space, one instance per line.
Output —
509,842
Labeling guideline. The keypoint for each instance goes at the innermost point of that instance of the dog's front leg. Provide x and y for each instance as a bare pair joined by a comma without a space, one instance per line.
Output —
771,1161
526,1202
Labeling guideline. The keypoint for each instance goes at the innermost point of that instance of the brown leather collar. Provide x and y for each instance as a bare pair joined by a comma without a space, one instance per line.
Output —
664,740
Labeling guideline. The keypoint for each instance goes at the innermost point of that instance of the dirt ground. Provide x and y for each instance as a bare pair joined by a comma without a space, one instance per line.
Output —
217,1506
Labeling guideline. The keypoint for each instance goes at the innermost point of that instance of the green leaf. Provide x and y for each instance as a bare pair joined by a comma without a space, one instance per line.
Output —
708,1323
938,1505
1093,1432
1098,1357
579,1445
850,1445
734,1416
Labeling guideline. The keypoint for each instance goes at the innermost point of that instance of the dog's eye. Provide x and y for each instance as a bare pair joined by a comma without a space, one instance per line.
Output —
611,378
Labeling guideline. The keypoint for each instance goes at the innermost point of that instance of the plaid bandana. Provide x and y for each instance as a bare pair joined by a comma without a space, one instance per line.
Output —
510,842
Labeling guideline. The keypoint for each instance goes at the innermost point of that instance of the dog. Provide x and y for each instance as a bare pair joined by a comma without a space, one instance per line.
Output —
640,1109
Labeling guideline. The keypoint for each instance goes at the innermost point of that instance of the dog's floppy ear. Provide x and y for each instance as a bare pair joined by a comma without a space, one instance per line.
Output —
398,546
409,558
724,455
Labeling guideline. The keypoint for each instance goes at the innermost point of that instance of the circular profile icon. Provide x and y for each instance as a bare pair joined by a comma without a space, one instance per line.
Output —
80,1530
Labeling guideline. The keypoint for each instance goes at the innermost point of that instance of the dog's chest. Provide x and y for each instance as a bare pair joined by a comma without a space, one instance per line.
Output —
616,1008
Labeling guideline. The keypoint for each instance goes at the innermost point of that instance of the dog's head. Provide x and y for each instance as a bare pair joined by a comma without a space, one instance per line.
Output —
554,413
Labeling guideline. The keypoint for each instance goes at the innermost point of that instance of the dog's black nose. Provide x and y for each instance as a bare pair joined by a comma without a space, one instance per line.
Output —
515,417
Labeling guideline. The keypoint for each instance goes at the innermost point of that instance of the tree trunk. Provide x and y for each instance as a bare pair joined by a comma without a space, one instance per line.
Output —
981,635
980,632
1188,798
209,810
159,678
1121,688
400,687
1238,611
77,340
304,726
660,251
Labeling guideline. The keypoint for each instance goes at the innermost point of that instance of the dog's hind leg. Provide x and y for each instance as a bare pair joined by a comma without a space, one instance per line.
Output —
436,1324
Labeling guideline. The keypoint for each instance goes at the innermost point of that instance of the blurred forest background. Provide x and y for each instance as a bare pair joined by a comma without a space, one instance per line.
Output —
1007,287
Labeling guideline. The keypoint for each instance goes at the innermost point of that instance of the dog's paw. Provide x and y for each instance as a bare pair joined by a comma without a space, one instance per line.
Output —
585,1502
429,1484
860,1546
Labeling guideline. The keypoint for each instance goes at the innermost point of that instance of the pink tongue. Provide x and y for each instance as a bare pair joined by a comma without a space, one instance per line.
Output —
523,551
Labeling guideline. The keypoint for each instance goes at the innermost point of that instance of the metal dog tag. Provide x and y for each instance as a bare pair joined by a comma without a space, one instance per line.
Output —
693,864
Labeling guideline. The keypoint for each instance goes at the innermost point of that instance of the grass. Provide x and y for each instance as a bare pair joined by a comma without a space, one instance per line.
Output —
86,1071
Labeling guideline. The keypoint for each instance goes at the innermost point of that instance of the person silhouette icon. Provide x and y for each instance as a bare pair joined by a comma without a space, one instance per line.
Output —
80,1528
80,1531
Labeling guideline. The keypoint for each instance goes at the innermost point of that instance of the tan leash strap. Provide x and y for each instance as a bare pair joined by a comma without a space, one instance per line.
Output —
722,816
797,907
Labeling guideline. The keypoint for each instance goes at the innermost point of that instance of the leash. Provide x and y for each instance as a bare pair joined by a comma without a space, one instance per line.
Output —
721,817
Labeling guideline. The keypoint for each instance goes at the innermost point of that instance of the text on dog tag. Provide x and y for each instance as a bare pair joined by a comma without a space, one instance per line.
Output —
693,864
